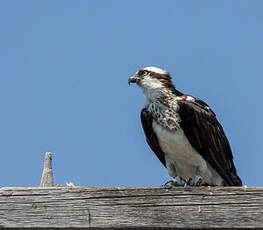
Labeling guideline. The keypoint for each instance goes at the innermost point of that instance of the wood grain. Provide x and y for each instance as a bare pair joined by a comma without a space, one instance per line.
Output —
131,208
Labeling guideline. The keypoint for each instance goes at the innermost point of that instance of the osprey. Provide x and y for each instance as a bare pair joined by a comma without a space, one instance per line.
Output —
184,133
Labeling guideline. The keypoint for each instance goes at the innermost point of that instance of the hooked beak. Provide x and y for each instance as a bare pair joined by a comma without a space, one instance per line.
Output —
133,79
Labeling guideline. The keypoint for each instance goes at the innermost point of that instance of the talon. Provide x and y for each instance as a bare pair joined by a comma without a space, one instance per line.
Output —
168,183
198,181
188,182
171,183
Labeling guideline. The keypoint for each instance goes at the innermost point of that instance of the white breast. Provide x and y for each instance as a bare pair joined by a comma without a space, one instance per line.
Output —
186,160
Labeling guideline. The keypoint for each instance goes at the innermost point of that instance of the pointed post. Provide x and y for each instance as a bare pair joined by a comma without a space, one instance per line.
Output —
47,175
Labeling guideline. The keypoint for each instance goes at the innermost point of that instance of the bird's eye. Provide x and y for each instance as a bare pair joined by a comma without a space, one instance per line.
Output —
145,73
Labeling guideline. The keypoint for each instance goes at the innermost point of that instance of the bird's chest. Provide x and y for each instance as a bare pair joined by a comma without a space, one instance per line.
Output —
176,146
173,143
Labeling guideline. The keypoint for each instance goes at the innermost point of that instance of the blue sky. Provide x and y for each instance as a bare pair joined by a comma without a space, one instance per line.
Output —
64,72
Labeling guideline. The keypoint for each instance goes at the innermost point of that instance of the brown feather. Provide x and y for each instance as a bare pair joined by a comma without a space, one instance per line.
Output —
152,140
206,135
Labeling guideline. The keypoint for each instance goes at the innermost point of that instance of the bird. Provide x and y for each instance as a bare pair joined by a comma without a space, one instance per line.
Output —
184,133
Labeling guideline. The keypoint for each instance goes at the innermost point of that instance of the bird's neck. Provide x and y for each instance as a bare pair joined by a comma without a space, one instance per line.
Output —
163,109
160,97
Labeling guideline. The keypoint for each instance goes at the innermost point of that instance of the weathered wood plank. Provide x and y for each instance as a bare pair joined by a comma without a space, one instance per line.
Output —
125,208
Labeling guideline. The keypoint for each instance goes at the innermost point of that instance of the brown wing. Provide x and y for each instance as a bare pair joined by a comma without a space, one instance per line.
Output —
207,136
151,138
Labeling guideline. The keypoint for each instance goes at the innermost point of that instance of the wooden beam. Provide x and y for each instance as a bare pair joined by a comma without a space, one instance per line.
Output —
131,208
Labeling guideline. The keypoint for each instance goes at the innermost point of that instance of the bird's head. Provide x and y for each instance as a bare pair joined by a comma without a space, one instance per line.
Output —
152,81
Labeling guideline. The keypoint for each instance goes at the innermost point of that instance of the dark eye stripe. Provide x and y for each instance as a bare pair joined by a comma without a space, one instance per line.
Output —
140,72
